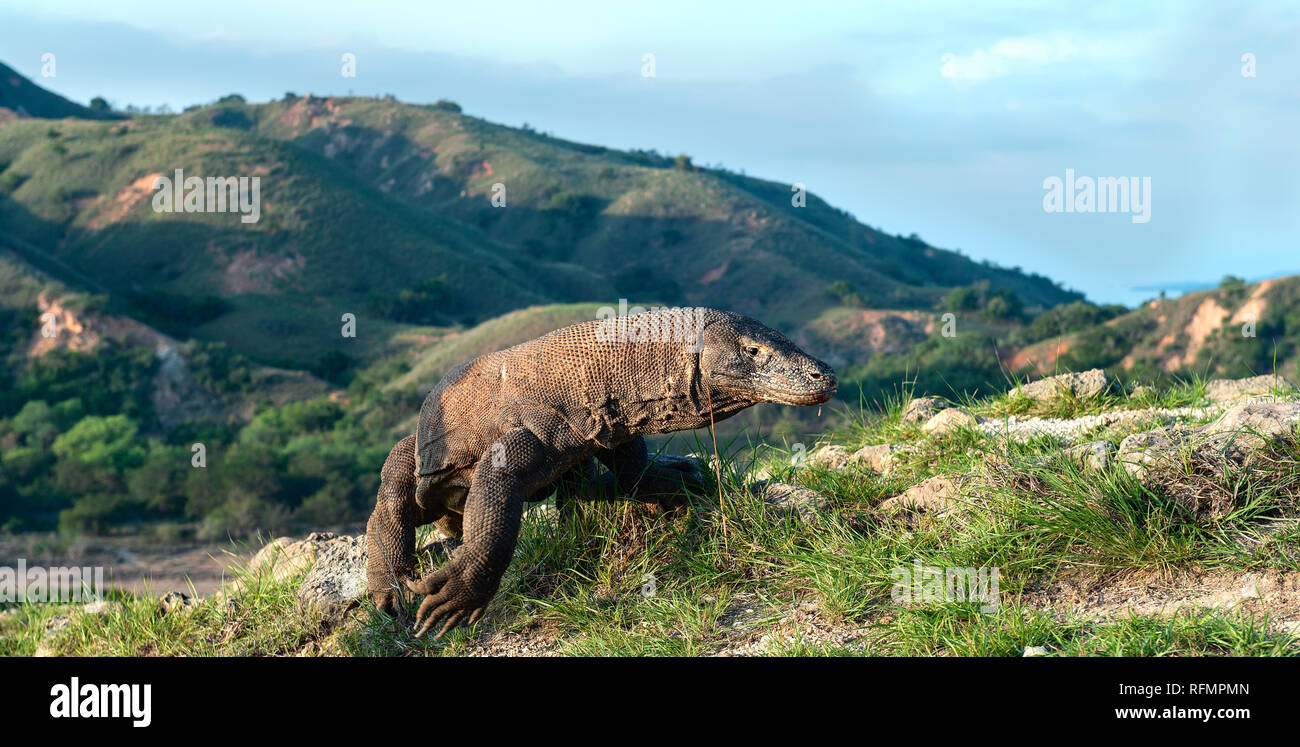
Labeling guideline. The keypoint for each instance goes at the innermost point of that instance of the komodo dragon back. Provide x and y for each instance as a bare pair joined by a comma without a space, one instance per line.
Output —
606,379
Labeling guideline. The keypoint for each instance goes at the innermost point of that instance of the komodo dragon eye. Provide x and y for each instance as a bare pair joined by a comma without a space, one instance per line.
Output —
752,351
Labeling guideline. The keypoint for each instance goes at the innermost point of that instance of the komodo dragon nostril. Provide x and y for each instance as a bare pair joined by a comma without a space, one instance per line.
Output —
815,375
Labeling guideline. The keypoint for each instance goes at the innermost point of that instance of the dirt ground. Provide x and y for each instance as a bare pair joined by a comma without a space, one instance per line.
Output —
136,562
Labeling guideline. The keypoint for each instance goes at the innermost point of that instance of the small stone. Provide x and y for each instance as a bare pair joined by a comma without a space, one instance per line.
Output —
1250,590
829,457
790,499
175,601
1035,651
933,495
879,458
102,606
922,409
1091,455
949,420
1140,451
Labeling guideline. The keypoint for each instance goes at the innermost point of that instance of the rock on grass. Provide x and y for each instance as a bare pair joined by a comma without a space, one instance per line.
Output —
949,420
790,499
1080,385
1223,390
922,409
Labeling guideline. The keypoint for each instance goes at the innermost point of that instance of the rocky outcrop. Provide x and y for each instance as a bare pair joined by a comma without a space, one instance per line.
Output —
1080,385
1224,390
1187,459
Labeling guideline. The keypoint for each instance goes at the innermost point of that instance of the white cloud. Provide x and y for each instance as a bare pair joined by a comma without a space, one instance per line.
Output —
1024,55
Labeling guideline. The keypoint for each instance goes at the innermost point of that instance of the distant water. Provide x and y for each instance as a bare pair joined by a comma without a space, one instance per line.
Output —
1173,290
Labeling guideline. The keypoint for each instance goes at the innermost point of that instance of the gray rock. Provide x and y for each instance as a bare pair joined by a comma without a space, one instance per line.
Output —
338,577
1234,439
922,409
1035,651
1091,455
790,499
1080,385
283,558
1251,426
1141,451
1223,390
102,607
175,601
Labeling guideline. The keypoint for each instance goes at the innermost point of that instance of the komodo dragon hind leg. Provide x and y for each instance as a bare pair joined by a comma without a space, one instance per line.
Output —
390,533
663,483
585,482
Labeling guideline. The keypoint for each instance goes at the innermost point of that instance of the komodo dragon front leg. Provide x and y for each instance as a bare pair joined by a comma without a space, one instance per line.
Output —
516,465
390,533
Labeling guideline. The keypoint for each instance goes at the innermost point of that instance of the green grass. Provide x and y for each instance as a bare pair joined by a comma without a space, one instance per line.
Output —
728,574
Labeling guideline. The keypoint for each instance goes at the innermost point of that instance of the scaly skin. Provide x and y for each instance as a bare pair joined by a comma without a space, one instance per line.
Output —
521,423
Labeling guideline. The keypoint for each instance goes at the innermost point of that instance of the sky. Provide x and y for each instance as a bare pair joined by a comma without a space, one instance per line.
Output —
945,119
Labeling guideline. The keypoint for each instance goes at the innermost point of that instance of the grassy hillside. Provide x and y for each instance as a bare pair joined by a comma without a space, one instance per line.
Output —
22,98
1235,330
382,209
1091,560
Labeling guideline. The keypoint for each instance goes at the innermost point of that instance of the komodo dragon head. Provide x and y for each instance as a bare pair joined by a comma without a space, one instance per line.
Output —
754,362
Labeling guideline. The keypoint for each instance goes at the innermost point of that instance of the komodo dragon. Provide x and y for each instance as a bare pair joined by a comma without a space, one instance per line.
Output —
521,423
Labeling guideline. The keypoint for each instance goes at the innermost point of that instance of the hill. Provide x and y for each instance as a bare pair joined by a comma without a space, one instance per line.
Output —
20,97
1237,329
383,210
